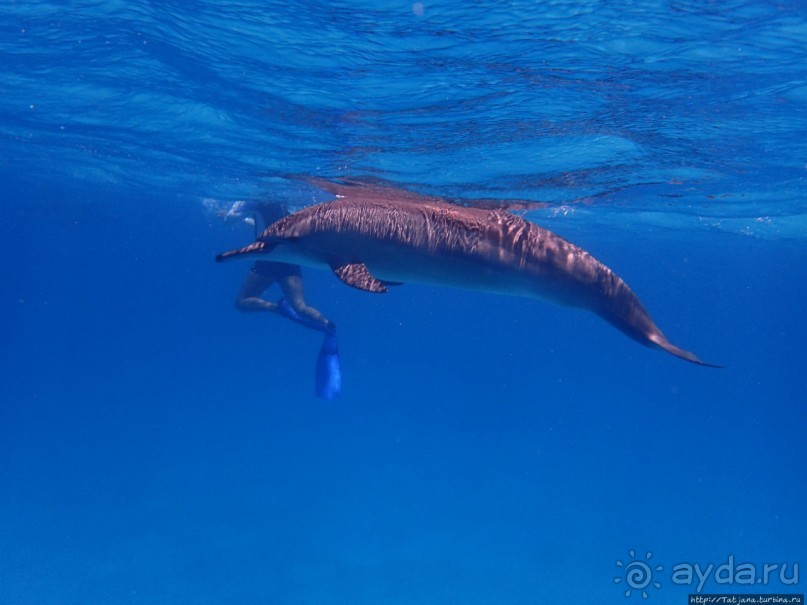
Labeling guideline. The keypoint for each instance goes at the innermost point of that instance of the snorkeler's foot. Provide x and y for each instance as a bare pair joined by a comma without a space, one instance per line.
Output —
329,328
286,310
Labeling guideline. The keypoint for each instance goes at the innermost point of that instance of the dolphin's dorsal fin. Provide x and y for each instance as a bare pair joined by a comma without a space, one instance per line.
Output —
358,276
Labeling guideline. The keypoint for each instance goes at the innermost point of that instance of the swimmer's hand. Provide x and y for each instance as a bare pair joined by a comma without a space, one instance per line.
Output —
286,310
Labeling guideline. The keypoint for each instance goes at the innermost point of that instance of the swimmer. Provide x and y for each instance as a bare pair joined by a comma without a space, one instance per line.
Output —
264,274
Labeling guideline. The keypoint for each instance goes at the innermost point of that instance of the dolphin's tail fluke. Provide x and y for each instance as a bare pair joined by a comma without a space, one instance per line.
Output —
258,247
621,308
658,339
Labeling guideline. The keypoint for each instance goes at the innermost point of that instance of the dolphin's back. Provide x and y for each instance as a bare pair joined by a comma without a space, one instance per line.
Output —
409,224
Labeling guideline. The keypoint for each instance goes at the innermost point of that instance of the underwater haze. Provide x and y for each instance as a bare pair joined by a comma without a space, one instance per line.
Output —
157,446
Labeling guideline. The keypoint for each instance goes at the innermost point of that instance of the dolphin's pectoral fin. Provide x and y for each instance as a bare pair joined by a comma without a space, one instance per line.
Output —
358,276
392,283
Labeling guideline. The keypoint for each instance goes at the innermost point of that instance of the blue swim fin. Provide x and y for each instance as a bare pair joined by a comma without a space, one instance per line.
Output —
328,377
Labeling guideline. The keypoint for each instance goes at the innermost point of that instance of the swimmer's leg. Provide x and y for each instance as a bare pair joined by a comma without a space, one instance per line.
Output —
250,295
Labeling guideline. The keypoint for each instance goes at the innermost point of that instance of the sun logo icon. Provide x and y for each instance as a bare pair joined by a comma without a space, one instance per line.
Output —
638,574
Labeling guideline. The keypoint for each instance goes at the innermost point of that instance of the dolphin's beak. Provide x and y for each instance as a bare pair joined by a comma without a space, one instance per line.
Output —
258,247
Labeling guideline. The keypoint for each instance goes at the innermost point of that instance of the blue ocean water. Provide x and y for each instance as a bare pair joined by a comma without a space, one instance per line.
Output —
156,446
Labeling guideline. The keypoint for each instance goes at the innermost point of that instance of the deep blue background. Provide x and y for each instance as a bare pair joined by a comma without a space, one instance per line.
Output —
156,446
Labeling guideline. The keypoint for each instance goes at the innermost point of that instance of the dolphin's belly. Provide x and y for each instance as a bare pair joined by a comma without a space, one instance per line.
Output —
449,271
390,261
394,261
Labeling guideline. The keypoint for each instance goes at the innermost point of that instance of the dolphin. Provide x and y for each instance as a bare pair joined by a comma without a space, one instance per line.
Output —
373,237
